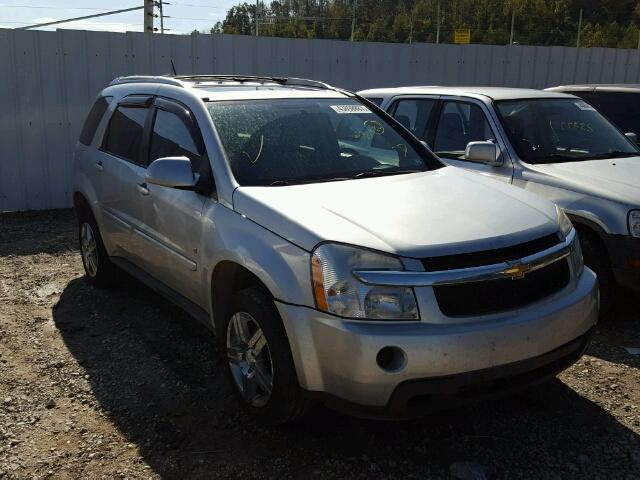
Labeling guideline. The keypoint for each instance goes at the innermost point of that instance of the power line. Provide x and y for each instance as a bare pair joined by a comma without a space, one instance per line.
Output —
198,6
51,8
2,22
188,18
112,12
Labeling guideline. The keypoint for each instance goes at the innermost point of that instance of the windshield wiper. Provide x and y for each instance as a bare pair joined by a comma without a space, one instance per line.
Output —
382,173
553,157
558,157
283,182
613,154
294,181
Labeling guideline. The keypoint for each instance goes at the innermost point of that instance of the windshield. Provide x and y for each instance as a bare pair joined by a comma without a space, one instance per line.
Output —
283,142
561,130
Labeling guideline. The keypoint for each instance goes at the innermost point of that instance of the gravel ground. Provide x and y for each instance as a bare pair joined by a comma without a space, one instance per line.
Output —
122,384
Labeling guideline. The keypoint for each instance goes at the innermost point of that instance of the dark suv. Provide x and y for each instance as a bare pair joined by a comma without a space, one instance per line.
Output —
620,102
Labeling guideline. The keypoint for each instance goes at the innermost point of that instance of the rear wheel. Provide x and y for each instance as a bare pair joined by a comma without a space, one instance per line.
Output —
97,265
258,359
597,259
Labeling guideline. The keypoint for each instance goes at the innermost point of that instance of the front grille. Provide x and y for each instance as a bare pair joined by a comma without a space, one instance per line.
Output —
489,257
495,296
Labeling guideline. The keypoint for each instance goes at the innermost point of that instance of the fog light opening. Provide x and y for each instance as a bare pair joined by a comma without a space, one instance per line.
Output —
391,359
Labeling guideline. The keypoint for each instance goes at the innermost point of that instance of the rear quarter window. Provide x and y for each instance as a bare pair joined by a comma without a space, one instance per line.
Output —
93,120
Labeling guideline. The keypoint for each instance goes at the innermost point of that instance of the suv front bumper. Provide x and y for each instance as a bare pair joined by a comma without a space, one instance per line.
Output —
337,358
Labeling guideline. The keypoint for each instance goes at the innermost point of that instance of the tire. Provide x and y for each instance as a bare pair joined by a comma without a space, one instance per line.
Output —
255,348
596,258
97,266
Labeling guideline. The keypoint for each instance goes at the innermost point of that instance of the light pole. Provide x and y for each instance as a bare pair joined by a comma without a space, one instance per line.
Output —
353,20
438,23
579,29
513,18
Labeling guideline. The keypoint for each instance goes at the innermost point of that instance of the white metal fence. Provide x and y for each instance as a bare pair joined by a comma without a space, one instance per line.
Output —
49,79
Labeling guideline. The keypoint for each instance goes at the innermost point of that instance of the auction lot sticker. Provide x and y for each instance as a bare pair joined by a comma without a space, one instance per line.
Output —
350,109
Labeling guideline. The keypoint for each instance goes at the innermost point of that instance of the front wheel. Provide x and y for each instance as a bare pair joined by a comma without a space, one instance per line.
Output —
597,259
97,265
258,359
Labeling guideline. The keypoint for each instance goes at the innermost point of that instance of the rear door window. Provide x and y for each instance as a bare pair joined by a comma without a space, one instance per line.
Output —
459,124
93,120
414,114
172,138
124,134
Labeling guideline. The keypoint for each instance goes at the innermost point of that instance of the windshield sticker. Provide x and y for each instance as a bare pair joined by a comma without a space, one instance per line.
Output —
584,106
350,109
580,126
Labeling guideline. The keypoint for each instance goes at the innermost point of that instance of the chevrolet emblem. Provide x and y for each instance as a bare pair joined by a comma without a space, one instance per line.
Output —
517,271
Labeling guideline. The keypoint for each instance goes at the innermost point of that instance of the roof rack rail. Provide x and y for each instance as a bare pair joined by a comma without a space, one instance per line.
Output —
178,80
147,79
305,82
254,78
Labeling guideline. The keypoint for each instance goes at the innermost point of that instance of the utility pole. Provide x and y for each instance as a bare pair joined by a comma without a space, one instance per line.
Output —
579,29
257,17
411,28
438,23
148,16
353,20
513,18
161,16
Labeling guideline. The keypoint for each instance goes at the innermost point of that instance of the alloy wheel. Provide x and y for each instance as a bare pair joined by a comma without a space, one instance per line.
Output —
89,249
249,359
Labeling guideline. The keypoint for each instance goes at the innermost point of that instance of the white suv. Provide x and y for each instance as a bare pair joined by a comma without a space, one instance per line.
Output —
553,144
336,258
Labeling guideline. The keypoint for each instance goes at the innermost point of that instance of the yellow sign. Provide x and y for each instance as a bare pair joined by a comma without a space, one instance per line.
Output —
462,35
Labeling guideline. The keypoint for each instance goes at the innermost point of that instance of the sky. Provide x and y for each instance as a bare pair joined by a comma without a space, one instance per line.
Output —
185,15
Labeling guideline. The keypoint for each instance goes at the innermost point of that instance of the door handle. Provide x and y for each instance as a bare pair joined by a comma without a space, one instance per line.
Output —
99,166
142,188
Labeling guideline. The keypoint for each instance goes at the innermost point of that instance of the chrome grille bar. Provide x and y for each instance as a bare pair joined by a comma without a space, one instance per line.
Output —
513,269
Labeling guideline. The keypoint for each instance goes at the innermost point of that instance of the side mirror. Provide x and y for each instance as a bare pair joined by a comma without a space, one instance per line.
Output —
172,172
632,136
482,152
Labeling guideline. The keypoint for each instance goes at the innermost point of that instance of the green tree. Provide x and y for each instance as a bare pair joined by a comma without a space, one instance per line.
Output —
606,23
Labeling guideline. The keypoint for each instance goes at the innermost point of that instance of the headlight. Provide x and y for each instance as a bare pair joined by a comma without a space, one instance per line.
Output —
576,257
634,223
337,291
563,221
576,251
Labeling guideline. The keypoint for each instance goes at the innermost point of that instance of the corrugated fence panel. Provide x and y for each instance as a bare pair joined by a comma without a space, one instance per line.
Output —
49,79
162,54
30,118
53,119
12,196
633,67
75,89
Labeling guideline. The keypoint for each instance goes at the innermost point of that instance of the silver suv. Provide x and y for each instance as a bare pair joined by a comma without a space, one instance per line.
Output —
337,259
553,144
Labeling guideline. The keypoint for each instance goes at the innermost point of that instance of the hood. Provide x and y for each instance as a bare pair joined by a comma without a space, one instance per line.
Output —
617,179
438,212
